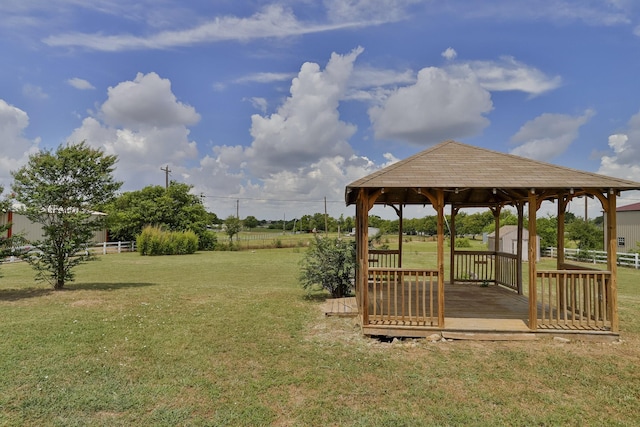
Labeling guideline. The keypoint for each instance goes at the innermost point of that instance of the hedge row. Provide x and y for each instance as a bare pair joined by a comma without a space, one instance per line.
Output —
156,241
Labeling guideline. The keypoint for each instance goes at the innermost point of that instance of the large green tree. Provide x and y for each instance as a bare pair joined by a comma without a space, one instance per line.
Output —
173,208
250,222
585,234
547,228
58,190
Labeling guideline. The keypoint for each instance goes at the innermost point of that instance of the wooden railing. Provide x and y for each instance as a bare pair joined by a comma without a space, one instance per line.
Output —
384,258
486,266
474,266
573,299
507,271
405,297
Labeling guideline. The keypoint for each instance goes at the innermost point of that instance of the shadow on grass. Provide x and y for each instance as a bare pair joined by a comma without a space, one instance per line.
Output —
20,294
316,296
26,293
320,296
105,286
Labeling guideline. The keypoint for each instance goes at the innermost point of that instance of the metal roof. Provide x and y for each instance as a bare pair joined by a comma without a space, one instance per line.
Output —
629,208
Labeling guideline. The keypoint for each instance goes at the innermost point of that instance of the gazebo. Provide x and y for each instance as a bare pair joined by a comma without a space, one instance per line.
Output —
410,302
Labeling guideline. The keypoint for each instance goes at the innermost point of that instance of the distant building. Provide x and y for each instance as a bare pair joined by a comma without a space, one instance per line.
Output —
373,231
20,224
627,227
509,241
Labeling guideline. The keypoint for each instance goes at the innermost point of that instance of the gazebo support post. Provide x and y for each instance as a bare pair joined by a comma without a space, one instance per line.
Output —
440,209
562,208
400,232
533,309
612,264
362,248
452,254
520,209
496,242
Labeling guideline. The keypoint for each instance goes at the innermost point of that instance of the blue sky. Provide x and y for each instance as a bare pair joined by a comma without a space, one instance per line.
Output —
280,104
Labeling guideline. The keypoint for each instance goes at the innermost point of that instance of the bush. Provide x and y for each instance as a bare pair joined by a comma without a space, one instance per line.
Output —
156,241
207,241
330,264
463,242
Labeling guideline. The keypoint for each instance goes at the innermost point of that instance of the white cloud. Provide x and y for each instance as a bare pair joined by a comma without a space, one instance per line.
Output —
144,124
508,74
450,102
259,104
624,161
15,148
33,91
147,101
368,10
548,135
307,126
450,53
598,13
390,159
300,153
369,84
274,21
367,77
80,84
265,78
438,106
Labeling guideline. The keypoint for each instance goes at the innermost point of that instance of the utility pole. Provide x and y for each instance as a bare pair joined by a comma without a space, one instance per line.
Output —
166,176
586,215
238,208
326,224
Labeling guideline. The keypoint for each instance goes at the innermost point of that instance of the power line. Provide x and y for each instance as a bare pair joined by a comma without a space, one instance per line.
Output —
272,200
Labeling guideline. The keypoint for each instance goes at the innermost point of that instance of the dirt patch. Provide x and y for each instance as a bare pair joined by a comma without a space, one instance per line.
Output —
346,331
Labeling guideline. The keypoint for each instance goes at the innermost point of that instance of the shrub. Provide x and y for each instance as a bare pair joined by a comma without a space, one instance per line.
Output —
463,242
329,263
155,241
207,241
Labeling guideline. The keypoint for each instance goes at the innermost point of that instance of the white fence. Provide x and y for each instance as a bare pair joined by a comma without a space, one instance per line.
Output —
114,247
97,249
596,257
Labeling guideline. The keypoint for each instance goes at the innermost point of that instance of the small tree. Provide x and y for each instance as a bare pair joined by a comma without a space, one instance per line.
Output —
586,234
59,190
329,263
232,226
250,222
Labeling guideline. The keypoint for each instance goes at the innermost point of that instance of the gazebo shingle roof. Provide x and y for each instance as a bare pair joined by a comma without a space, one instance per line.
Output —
470,174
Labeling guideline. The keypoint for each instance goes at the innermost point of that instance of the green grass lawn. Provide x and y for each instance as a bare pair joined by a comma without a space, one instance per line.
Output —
230,338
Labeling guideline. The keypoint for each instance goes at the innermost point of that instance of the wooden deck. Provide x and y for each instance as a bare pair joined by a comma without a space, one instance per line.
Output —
347,307
471,312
